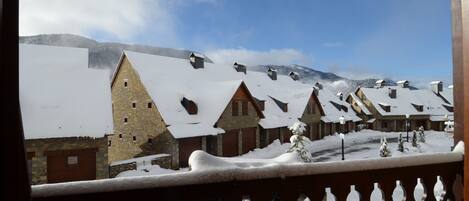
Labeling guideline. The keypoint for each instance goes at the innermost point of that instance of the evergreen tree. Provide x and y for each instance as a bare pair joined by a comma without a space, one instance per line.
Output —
414,138
421,134
384,150
400,146
298,142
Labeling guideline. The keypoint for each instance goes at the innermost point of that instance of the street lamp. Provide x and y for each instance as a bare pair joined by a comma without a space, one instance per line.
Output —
342,136
407,126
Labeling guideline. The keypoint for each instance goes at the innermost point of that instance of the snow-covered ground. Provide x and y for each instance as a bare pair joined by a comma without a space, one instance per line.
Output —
358,145
364,144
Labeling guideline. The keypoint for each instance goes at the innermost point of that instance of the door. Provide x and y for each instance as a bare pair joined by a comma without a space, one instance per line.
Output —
186,147
71,165
274,134
249,139
230,143
286,135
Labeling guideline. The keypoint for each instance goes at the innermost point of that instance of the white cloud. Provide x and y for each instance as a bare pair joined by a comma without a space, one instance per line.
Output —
252,57
122,19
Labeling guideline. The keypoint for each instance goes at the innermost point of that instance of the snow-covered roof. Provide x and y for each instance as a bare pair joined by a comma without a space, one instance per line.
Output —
168,80
448,94
60,96
435,105
400,105
401,81
329,102
360,104
138,160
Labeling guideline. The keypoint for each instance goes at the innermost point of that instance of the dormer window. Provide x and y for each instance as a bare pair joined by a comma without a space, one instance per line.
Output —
448,107
196,60
294,75
392,93
386,107
260,103
418,107
239,67
283,106
189,105
272,73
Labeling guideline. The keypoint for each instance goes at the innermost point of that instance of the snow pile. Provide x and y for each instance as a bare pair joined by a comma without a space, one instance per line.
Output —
146,170
202,161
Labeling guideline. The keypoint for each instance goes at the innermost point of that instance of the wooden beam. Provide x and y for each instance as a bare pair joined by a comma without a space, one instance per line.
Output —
15,181
460,29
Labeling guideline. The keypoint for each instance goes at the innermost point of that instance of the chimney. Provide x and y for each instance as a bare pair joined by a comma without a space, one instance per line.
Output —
437,86
197,60
340,95
294,75
316,91
272,73
318,85
380,83
392,93
403,83
239,67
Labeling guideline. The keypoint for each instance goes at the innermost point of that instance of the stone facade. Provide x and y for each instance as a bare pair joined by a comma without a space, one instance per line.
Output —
37,157
138,126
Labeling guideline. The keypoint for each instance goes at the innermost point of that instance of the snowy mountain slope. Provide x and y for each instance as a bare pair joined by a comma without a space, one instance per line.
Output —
105,55
101,54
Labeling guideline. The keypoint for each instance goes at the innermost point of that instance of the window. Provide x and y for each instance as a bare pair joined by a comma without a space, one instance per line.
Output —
149,105
134,105
134,138
244,108
120,136
109,143
126,83
234,108
150,141
125,119
72,160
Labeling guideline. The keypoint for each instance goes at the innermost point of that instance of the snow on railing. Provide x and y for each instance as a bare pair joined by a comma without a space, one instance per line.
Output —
242,174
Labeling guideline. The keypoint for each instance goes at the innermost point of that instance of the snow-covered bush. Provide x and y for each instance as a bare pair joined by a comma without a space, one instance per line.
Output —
384,150
414,139
298,141
400,145
421,134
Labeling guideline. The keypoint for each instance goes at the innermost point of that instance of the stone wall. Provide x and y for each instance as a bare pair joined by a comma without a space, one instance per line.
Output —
37,148
140,135
114,170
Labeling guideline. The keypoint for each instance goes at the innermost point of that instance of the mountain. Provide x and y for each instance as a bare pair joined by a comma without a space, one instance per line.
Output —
311,76
105,55
102,54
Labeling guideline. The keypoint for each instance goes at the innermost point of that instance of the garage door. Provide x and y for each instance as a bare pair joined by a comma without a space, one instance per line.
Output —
249,139
186,147
230,143
71,165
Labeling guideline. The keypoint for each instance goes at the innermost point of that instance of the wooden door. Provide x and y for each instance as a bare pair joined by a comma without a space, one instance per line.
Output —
71,165
249,139
186,147
274,134
230,143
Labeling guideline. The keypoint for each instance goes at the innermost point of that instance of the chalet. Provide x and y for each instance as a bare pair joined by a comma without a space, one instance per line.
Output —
335,107
392,106
175,106
66,114
283,100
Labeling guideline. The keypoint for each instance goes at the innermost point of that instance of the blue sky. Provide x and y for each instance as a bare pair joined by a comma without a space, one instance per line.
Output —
399,39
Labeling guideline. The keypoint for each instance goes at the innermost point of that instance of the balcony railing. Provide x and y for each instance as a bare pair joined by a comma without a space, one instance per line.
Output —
278,182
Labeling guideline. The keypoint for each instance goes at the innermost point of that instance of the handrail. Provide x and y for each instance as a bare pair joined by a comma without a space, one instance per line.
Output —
436,162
